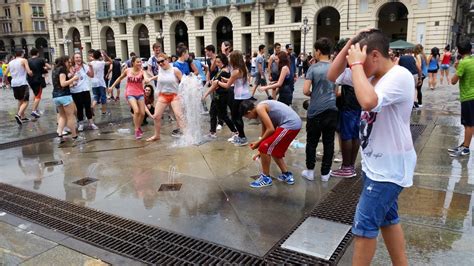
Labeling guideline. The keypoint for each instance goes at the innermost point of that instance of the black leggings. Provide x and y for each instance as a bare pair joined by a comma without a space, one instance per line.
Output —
83,102
418,90
219,110
237,117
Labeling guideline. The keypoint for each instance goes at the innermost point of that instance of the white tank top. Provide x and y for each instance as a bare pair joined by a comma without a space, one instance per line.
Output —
167,80
18,73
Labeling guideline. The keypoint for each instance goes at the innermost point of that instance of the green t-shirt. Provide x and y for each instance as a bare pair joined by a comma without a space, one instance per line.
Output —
465,72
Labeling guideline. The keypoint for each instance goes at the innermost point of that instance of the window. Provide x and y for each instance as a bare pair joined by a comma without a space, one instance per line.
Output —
39,26
7,27
158,25
363,6
38,11
296,14
87,31
120,4
199,21
138,4
18,8
104,5
7,12
270,16
246,19
60,33
123,28
21,26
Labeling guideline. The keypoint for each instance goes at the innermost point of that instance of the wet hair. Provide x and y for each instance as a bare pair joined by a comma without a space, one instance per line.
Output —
375,40
323,45
151,98
261,47
340,44
181,50
210,48
447,47
435,51
246,106
97,54
61,61
156,45
19,52
283,60
237,62
34,52
464,47
224,59
192,56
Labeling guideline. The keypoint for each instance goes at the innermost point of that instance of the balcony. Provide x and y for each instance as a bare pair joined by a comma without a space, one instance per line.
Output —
69,15
244,2
103,15
56,17
220,3
137,11
37,15
198,4
119,13
83,14
176,7
155,9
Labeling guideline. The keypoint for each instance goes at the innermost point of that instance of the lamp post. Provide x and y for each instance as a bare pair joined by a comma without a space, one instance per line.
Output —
161,38
305,28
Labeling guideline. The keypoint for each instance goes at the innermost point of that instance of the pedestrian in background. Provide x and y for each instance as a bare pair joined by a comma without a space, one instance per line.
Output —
420,60
445,64
433,67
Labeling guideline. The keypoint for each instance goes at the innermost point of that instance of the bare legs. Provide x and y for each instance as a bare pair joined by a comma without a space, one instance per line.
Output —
266,160
67,117
138,108
22,105
159,110
468,132
432,80
445,73
364,248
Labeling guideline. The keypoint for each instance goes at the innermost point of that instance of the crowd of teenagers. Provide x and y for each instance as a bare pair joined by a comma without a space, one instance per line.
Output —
363,91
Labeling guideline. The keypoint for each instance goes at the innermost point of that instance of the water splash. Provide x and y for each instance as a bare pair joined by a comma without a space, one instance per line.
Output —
190,89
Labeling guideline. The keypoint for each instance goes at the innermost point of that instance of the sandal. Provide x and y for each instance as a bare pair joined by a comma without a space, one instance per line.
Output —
151,139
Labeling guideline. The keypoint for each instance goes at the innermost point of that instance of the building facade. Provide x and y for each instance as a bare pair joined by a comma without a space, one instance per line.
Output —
122,26
23,25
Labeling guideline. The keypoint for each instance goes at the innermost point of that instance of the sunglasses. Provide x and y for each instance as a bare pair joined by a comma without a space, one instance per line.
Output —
160,61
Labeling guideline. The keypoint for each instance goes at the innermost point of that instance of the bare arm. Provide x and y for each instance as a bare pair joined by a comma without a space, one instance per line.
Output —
267,126
339,64
90,72
418,64
27,67
307,87
284,72
107,59
65,83
178,74
194,69
122,76
233,77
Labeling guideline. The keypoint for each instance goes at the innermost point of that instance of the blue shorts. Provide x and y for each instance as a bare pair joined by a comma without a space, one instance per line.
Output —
444,66
136,97
377,207
349,123
63,100
100,95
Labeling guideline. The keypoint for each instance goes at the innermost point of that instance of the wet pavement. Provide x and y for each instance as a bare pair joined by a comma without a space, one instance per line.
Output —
215,203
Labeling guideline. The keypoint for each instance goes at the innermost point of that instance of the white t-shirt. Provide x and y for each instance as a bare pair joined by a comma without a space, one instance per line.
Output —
18,72
387,148
83,82
98,79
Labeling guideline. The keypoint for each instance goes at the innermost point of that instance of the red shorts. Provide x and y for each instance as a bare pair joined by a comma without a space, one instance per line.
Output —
167,98
277,144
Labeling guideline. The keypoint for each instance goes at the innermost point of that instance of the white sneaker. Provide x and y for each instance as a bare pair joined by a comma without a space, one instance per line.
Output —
219,128
80,128
233,138
308,174
94,126
325,178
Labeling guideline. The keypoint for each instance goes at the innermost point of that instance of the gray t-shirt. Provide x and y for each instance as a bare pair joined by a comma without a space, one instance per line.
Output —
282,115
260,61
323,96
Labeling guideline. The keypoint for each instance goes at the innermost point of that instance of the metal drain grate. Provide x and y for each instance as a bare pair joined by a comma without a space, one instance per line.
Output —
170,187
145,243
416,130
85,181
339,206
53,163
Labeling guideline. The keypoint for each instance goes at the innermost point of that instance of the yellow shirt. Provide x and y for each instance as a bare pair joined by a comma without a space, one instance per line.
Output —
4,69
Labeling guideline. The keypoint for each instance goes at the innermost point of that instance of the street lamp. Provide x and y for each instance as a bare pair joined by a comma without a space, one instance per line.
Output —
305,28
67,41
161,38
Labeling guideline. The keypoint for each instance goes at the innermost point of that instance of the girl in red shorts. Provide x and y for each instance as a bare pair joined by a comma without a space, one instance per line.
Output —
280,126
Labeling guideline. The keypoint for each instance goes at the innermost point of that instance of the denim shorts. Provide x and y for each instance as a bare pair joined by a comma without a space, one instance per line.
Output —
444,66
136,97
63,100
349,123
100,96
377,207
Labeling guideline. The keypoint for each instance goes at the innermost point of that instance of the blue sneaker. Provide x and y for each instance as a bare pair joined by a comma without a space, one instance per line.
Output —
460,152
287,178
262,181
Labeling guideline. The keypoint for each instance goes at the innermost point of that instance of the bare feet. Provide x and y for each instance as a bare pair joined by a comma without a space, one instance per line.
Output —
153,138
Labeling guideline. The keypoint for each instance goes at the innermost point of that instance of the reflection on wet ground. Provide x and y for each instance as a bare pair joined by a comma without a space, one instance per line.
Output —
215,202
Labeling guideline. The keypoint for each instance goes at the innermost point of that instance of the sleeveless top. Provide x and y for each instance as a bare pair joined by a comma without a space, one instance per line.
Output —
446,59
167,81
241,89
135,83
424,67
18,73
433,65
83,82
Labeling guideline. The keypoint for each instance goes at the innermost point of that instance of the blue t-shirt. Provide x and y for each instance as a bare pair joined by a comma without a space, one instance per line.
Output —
323,96
183,67
198,65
